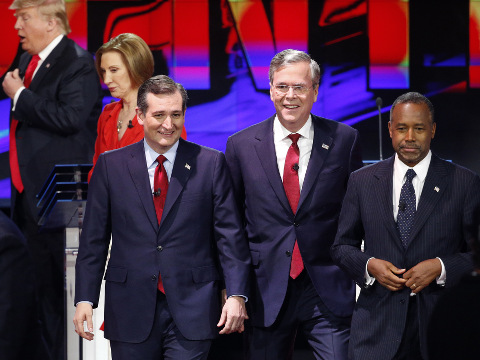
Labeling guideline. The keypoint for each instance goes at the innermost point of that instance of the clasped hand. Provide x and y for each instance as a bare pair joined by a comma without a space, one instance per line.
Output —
417,278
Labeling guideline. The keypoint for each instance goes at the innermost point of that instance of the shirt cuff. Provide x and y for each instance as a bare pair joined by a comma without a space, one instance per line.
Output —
88,302
242,296
369,280
443,276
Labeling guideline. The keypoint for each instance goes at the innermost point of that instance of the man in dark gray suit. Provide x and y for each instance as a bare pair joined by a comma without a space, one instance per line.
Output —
56,100
413,212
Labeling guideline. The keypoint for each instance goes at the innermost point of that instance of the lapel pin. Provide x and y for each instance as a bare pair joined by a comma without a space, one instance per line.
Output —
47,66
325,146
187,166
437,189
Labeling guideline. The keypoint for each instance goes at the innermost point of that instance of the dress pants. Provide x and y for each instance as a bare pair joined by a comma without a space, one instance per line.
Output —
164,342
326,333
409,348
47,250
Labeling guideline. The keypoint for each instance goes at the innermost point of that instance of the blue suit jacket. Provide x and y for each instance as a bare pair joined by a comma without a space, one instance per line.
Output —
57,115
443,225
270,224
199,239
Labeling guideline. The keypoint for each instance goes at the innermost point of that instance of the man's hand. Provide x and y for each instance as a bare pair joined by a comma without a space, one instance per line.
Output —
422,274
83,313
12,83
386,274
233,315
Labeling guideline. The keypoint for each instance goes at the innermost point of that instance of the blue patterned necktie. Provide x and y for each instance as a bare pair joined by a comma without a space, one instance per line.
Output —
406,208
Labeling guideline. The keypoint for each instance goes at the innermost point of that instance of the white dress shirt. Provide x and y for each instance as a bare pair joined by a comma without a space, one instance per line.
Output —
399,178
282,143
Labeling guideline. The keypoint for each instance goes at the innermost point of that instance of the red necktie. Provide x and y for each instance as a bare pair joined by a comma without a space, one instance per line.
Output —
292,189
13,157
160,188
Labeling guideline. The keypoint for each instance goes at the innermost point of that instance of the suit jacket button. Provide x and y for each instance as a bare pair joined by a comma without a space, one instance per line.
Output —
154,277
402,301
288,253
296,224
159,248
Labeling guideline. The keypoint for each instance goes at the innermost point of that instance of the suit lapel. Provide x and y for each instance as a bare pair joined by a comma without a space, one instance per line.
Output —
48,63
435,184
138,171
384,197
267,156
322,145
185,164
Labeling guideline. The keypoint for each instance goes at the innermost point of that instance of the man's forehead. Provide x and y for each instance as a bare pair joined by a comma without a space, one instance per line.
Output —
22,11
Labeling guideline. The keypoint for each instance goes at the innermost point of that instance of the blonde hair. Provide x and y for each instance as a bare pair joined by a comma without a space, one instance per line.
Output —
50,9
135,54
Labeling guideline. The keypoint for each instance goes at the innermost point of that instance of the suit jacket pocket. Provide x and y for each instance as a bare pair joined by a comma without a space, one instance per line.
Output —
115,274
205,274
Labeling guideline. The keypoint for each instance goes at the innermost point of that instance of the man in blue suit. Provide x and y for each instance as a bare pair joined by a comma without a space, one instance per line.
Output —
167,267
415,213
290,174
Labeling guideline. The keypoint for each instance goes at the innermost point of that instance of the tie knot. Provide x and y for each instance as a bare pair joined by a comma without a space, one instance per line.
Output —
294,138
161,159
34,60
410,175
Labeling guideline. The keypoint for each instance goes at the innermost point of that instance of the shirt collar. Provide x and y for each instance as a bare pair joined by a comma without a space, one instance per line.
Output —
280,133
421,168
151,155
45,52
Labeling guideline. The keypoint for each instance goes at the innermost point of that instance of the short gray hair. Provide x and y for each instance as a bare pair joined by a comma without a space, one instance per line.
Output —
291,56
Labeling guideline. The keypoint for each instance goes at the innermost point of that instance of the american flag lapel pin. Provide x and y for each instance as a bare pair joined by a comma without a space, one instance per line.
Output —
436,188
325,146
47,66
187,166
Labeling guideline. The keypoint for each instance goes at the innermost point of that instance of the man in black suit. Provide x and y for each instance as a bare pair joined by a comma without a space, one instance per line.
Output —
20,331
54,111
415,213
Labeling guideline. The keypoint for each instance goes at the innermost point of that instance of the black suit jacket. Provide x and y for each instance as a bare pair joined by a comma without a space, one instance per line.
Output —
20,333
57,115
445,216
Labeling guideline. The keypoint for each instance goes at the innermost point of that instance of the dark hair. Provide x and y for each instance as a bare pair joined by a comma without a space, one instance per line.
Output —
291,56
160,84
414,98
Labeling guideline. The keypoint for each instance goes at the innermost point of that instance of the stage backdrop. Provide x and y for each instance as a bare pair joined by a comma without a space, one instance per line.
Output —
220,51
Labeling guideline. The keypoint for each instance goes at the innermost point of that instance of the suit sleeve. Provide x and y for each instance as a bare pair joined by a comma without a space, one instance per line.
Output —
346,250
460,264
62,109
356,161
236,174
95,238
232,246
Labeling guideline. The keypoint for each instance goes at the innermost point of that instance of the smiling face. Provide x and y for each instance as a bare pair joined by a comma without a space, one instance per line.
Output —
163,120
34,30
411,129
115,75
293,109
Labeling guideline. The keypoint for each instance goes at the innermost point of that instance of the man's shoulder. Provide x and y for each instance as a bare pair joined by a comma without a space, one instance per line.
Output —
335,127
254,129
456,170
